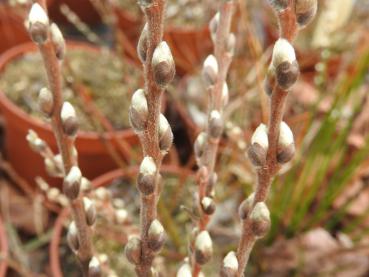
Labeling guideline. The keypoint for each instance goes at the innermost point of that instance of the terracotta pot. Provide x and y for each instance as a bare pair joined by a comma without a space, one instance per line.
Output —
101,181
189,45
93,157
82,8
12,28
3,249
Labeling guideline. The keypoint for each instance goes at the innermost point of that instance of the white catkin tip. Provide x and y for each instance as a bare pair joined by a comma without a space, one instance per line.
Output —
87,203
162,53
139,101
163,124
74,175
203,241
38,15
285,135
94,262
72,229
283,51
212,63
230,261
184,271
225,94
56,34
260,136
260,212
148,166
206,201
215,114
67,111
156,228
121,215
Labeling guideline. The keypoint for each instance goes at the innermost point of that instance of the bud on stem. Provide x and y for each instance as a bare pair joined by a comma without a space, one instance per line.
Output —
147,176
208,205
165,134
156,236
133,250
210,70
306,11
69,119
215,124
203,248
94,268
138,111
142,44
72,182
38,24
286,145
259,146
90,211
46,101
260,220
163,65
72,237
58,41
229,266
246,206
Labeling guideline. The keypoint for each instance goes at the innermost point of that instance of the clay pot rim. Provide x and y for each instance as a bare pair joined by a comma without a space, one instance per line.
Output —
100,181
18,51
4,248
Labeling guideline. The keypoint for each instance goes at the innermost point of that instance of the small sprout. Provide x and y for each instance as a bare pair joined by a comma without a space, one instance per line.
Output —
284,64
225,95
46,101
102,194
156,236
213,26
260,220
306,11
133,250
165,134
286,145
230,265
208,205
58,41
69,119
38,145
72,237
185,270
38,24
94,268
85,184
121,216
200,144
138,111
163,65
72,183
90,211
210,70
231,43
142,44
215,124
147,176
246,206
278,5
259,146
203,248
269,82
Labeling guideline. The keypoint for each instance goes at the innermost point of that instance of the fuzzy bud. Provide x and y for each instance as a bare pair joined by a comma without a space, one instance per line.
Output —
284,64
278,5
260,220
165,134
38,145
184,271
231,43
225,95
72,183
210,70
163,65
121,216
230,265
38,24
215,124
133,250
200,144
259,146
72,237
138,110
90,211
147,176
142,44
213,26
286,145
156,236
46,101
94,268
69,119
208,205
58,41
306,11
270,82
246,206
203,248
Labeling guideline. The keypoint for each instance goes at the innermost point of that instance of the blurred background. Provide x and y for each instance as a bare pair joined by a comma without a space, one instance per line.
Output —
319,202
